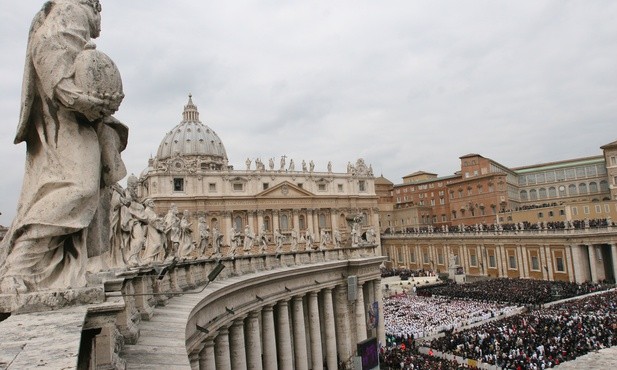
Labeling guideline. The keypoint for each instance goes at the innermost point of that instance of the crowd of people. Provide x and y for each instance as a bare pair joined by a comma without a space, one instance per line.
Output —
514,291
410,316
406,356
540,339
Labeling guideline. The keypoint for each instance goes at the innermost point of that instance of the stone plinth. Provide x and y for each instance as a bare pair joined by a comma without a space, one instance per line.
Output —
50,300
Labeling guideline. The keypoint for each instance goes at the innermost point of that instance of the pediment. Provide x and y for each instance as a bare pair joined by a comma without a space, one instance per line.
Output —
286,190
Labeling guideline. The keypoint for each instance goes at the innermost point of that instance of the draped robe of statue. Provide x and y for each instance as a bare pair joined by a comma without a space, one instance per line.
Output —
155,237
68,158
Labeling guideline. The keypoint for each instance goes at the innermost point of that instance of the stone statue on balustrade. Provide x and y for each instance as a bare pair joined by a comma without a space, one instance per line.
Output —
217,241
263,239
204,236
371,237
133,233
278,240
329,167
309,240
70,90
172,230
311,166
292,165
249,239
117,215
271,164
186,246
156,240
323,239
282,168
294,240
234,239
248,164
336,235
304,169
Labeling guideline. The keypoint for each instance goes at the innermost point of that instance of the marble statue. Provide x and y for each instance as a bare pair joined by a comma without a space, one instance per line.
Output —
172,230
134,218
116,259
282,168
271,164
278,240
263,239
308,238
186,246
72,153
217,239
336,234
371,237
234,240
204,235
156,239
323,239
294,240
292,165
329,166
304,169
311,166
248,164
249,238
355,234
452,260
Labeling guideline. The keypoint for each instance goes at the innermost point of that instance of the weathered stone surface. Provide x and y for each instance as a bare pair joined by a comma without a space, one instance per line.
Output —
50,300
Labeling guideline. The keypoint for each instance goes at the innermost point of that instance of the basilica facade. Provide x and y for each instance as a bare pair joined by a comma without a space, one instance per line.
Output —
191,172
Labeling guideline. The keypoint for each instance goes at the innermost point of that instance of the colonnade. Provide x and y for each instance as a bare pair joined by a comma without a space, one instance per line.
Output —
313,329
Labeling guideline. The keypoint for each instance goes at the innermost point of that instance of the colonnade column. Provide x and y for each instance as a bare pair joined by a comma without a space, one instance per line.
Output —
221,350
284,350
268,336
207,356
592,263
253,342
299,331
614,259
360,315
342,323
315,331
329,324
237,346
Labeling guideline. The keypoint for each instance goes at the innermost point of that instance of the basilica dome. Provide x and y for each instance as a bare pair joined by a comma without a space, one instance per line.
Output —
191,138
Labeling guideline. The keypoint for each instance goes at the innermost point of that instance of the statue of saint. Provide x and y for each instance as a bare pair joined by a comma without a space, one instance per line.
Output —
278,239
204,235
72,154
155,235
186,247
249,238
248,164
292,165
294,240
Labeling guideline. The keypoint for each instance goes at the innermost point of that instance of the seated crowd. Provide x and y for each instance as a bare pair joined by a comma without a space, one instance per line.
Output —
514,291
538,339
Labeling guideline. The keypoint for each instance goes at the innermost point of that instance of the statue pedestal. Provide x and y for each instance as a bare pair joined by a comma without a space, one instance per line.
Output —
49,300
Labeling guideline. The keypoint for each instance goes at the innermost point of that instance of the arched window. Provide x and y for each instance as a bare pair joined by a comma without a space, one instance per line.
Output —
542,193
284,222
593,187
582,188
214,222
572,189
523,195
238,223
301,222
364,219
552,192
603,185
533,194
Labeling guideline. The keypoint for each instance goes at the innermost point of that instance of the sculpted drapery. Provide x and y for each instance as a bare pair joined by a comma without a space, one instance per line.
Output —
73,147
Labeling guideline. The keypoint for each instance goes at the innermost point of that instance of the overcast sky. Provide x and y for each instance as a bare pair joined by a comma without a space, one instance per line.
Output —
407,85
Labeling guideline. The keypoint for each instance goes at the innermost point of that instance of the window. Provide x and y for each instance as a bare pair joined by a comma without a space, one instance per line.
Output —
212,187
559,264
178,184
512,262
362,185
340,188
533,194
574,211
552,192
440,258
593,187
301,222
238,223
542,193
586,210
535,263
238,186
322,221
540,215
265,185
267,223
491,261
582,188
321,187
284,222
425,257
598,208
300,185
473,260
400,255
412,257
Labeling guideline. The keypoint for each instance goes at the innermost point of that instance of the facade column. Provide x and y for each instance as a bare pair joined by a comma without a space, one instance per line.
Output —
333,219
592,263
464,258
360,315
614,259
381,328
206,356
316,227
519,261
525,260
221,350
315,331
260,221
309,221
253,342
343,344
296,220
504,259
268,337
569,266
329,323
284,350
577,259
299,332
226,226
275,221
237,345
549,262
250,220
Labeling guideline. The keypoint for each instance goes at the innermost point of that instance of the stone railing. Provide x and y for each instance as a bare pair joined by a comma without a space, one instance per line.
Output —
492,233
